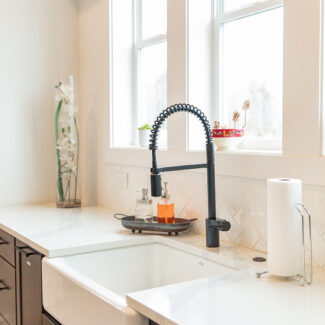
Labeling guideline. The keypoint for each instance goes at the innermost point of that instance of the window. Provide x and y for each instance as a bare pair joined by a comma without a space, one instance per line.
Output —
138,67
247,56
205,45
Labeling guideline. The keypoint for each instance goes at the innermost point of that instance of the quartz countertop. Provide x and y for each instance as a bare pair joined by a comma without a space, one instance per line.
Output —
236,298
58,232
239,298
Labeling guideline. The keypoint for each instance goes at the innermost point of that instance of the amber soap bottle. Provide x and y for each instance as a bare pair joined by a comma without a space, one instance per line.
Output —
165,207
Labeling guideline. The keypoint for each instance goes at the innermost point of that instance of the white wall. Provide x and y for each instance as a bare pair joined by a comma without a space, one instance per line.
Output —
38,43
241,200
94,50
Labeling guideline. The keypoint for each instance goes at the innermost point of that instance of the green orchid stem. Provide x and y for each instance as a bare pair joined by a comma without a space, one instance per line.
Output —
76,177
67,190
58,156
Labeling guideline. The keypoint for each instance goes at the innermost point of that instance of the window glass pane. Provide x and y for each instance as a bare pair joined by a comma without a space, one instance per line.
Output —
230,5
121,83
154,18
252,69
153,85
200,72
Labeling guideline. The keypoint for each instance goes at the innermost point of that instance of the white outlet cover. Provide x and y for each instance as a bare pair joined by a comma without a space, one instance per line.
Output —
122,180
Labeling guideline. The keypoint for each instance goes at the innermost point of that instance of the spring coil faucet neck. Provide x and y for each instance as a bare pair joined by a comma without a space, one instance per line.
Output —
213,224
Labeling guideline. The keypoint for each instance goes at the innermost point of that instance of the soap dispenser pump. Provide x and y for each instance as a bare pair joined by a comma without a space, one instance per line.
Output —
143,209
165,207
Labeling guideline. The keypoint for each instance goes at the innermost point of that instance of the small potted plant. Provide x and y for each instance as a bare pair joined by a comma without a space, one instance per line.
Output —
144,135
226,138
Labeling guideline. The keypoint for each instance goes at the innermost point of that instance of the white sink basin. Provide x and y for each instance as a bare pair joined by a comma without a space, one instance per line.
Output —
91,288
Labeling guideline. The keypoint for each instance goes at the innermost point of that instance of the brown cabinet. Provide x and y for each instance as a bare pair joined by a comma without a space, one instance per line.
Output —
7,292
7,247
21,284
2,321
29,285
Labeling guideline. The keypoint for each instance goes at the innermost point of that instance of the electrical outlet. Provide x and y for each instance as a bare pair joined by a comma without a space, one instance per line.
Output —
122,180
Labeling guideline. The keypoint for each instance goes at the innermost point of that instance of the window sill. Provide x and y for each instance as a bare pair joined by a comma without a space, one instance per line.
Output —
240,151
137,148
259,165
140,155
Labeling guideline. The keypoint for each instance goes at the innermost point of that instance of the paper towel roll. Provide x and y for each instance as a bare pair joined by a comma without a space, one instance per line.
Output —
284,238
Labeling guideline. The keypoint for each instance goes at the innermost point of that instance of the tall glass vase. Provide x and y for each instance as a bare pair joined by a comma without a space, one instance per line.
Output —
67,145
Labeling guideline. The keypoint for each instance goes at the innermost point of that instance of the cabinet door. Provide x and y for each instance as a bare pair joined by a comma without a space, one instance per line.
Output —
2,321
7,292
7,247
29,285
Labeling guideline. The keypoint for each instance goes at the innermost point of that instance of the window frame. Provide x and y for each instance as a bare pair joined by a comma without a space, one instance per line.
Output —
219,19
302,140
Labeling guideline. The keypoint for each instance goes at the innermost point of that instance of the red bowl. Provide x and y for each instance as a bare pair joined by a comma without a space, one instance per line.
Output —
228,133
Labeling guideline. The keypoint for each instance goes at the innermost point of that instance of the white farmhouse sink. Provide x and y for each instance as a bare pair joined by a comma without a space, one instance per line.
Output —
91,288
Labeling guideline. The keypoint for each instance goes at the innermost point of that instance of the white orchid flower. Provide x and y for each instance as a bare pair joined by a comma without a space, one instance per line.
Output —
67,141
66,121
70,164
66,156
65,93
66,175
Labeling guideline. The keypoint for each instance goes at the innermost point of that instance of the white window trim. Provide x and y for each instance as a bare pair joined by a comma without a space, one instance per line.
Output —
302,109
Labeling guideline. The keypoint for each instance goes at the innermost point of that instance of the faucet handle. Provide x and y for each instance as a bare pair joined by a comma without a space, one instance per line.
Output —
220,224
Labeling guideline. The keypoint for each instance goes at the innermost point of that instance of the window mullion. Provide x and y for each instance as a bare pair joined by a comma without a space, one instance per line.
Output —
214,64
219,7
177,71
138,20
136,59
217,113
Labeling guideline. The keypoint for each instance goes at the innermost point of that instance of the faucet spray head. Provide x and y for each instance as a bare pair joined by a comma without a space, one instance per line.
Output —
155,185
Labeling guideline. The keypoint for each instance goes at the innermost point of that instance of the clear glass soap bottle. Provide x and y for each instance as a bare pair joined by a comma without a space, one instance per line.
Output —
143,209
165,207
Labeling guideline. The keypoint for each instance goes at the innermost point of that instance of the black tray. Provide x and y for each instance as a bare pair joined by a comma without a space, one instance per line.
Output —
150,224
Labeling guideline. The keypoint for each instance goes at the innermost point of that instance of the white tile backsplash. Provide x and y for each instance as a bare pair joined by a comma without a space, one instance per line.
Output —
239,200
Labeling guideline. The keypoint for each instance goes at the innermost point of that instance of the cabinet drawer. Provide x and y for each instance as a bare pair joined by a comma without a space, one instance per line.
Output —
7,292
7,247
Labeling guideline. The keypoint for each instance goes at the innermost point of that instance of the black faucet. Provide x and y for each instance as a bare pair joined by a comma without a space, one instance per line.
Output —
213,224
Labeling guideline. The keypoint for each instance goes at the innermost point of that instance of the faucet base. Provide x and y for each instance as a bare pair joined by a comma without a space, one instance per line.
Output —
212,235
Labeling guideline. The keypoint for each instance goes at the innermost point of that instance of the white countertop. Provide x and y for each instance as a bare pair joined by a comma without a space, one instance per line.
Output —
238,298
58,232
235,299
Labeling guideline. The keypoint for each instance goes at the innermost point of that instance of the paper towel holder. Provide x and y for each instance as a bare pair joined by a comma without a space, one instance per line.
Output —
302,279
